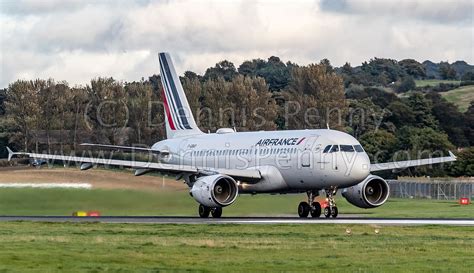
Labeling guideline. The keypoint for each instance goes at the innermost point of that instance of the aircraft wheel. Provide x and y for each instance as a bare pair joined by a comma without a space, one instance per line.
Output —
216,212
327,212
334,212
204,211
303,209
316,210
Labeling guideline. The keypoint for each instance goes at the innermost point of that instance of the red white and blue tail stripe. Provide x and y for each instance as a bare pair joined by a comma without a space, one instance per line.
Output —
179,118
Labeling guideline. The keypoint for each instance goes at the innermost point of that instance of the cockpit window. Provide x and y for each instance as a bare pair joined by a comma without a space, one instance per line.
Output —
326,149
335,148
358,148
347,148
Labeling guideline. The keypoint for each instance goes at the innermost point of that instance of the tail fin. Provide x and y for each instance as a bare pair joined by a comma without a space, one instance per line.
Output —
179,118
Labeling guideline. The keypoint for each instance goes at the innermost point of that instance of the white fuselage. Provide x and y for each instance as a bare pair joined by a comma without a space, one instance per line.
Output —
289,161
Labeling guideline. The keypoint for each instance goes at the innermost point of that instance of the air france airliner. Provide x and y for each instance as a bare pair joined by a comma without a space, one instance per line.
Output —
219,166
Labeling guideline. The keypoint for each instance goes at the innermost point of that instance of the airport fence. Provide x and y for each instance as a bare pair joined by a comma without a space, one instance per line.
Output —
432,189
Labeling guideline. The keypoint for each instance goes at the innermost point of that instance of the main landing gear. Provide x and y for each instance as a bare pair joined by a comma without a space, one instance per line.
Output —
330,210
304,208
205,211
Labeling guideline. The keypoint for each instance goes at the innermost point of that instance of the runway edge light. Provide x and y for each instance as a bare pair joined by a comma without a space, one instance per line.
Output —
79,214
464,201
93,213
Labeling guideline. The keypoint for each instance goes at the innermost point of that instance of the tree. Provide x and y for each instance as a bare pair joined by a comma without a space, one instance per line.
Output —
327,63
379,96
3,126
406,85
413,68
401,114
3,96
446,71
194,94
469,129
346,71
48,109
253,104
468,78
244,103
382,71
417,143
191,75
140,94
107,112
224,69
22,108
422,110
319,95
77,105
464,165
364,116
274,71
379,145
450,119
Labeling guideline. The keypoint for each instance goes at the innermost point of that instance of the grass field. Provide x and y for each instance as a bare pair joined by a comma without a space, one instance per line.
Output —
94,247
178,202
461,96
423,83
99,247
120,193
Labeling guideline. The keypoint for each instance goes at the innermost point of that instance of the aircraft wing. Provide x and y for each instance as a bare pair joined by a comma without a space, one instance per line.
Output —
124,148
244,174
411,163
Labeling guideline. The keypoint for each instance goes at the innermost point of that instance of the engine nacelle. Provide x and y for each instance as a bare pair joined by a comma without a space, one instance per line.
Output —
370,193
215,190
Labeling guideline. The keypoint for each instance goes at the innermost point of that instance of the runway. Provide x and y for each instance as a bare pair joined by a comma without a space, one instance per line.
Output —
244,220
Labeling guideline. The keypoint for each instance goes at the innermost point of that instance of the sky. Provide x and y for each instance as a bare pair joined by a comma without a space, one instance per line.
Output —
79,40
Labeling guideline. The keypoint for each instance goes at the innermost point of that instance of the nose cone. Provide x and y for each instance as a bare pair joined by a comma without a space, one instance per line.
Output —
361,168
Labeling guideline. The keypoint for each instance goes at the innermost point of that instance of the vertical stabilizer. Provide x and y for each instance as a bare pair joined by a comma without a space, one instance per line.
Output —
179,118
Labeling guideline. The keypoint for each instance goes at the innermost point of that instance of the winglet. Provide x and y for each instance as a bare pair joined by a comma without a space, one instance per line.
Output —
452,155
10,153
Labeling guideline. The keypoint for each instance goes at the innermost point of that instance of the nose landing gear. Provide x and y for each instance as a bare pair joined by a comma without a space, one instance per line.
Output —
331,209
304,208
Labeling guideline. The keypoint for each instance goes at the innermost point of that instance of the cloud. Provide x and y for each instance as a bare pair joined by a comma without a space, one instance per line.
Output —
438,11
77,41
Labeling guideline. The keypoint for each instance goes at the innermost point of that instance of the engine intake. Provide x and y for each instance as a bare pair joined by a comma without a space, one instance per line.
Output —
215,190
370,193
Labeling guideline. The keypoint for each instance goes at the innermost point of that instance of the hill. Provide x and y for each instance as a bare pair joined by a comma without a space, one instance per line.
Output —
461,96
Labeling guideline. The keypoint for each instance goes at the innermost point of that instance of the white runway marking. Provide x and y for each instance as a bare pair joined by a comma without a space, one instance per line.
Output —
47,185
449,222
243,220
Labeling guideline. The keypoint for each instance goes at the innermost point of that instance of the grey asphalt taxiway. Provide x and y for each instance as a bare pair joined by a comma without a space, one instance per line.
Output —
245,220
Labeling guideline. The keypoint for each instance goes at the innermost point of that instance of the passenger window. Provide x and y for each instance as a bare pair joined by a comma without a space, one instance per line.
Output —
358,148
335,148
347,148
327,149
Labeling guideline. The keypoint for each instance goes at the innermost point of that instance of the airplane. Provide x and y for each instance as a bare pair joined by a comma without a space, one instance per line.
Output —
219,166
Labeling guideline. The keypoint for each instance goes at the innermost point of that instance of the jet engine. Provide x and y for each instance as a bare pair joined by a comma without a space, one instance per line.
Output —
215,190
370,193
